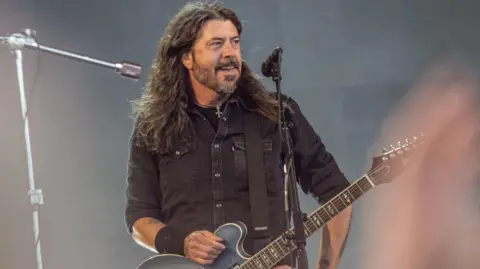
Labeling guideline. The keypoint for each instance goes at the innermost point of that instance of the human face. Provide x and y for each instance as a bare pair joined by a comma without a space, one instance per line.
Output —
215,61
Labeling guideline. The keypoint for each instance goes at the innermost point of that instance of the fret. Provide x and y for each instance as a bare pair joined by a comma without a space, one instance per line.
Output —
307,231
359,186
263,261
282,249
348,196
331,209
280,241
343,202
266,259
246,265
258,263
325,214
312,225
366,185
339,204
273,251
369,180
308,228
317,220
322,221
328,214
352,191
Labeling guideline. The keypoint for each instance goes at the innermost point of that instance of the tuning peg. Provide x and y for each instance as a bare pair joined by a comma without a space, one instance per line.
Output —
407,141
384,150
392,146
399,143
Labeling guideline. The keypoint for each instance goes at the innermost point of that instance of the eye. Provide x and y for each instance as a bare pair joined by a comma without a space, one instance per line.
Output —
216,44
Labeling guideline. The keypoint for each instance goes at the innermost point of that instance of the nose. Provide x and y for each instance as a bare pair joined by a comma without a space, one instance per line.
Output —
228,50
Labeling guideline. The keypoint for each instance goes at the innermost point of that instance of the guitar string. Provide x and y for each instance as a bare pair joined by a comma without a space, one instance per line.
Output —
261,254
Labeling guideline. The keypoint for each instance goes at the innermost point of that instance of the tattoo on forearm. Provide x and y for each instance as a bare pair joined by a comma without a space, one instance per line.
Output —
325,256
323,263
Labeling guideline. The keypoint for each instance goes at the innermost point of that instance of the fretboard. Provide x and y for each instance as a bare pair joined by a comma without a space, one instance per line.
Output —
281,247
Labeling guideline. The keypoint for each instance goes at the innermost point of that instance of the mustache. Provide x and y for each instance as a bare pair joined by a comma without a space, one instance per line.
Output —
230,62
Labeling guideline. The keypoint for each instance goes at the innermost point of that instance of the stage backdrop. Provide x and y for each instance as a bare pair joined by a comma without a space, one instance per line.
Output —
345,62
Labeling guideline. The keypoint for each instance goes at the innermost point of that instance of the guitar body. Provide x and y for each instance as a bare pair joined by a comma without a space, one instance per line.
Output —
233,235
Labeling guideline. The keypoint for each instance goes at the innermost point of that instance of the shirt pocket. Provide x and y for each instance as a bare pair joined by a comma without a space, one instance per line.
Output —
271,164
178,170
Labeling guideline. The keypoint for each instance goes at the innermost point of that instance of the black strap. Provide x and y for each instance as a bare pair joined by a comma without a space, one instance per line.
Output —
256,181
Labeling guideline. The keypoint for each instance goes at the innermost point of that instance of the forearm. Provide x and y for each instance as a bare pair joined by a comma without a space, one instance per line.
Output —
334,238
145,230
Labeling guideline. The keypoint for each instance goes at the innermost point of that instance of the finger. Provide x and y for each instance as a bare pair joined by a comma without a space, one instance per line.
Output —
212,236
195,253
207,241
206,248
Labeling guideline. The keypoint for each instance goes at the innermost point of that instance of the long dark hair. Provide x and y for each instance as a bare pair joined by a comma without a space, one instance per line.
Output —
161,111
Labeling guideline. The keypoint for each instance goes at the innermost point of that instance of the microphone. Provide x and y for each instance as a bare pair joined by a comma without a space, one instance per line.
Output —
129,69
269,64
27,39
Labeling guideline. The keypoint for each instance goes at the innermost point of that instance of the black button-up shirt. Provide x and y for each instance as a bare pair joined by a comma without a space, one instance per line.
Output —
201,183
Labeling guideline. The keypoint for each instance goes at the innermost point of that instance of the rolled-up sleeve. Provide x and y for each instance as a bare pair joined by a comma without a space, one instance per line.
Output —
143,193
317,171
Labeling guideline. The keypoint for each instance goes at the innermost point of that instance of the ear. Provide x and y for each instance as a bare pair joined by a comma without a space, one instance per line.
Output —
187,60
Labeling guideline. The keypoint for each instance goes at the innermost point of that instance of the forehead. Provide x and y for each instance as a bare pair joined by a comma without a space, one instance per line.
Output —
218,29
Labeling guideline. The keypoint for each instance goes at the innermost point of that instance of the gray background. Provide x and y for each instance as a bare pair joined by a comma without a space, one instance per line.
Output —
346,62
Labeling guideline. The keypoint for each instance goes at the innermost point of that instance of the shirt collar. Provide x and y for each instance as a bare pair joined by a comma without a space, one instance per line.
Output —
235,99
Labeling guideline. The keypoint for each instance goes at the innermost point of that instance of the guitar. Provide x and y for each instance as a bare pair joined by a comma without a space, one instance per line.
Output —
384,168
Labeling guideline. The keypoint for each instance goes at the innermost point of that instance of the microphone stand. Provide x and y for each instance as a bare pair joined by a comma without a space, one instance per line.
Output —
26,39
291,192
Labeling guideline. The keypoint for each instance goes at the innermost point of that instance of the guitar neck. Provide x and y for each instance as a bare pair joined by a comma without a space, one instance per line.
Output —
281,247
337,204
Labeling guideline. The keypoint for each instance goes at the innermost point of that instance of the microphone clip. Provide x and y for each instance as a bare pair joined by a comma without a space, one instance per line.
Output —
271,67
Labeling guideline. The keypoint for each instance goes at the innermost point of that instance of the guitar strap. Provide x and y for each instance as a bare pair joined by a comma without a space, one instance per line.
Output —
256,181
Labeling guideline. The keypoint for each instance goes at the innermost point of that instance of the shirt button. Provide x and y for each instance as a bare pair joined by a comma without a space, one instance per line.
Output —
217,175
224,118
216,146
177,152
219,205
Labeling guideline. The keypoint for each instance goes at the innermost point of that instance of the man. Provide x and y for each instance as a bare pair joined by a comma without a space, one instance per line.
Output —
187,166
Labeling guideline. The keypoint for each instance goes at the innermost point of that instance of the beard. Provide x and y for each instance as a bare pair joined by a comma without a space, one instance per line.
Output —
209,76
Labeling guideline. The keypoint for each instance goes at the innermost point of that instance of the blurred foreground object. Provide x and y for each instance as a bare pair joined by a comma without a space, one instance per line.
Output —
427,217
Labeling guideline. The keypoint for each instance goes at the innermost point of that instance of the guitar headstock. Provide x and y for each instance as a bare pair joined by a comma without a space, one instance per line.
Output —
394,160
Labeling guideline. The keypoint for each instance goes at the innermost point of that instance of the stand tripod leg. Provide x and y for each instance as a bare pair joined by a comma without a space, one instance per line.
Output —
36,196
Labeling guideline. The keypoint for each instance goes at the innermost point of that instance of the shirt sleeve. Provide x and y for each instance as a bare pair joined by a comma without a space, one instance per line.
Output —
143,193
317,171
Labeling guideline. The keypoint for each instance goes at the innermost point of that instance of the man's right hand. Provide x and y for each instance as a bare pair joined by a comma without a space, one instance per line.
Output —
203,247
